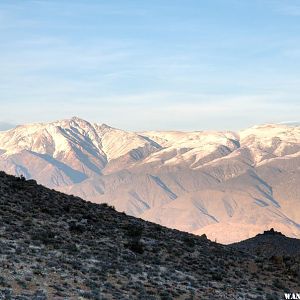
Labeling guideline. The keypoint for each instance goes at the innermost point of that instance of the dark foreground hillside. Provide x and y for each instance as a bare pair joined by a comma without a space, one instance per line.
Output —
54,246
271,243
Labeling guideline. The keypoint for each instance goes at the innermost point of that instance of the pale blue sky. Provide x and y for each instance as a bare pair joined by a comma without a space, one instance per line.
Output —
157,64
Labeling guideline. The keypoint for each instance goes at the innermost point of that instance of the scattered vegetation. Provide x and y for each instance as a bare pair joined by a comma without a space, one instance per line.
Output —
55,246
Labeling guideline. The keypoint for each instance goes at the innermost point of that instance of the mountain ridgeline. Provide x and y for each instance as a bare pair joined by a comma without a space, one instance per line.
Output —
228,185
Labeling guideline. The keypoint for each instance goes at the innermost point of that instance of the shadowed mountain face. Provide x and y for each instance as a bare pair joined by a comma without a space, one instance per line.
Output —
55,246
229,185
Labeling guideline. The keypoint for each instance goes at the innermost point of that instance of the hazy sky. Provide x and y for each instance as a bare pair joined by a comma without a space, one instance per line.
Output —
155,64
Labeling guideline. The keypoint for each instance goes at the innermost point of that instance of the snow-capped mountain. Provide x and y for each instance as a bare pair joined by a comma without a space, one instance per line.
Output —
229,185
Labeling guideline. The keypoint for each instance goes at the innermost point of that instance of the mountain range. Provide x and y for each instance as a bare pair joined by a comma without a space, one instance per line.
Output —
228,185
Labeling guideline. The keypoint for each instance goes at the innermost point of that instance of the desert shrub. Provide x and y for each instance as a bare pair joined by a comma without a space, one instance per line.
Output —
134,230
189,242
278,284
71,248
136,246
217,277
76,227
108,206
44,236
134,233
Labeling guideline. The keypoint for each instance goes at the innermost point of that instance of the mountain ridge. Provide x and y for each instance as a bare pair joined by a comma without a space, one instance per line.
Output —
201,181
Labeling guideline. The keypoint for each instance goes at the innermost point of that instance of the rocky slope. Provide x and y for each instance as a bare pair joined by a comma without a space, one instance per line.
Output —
55,246
270,243
228,185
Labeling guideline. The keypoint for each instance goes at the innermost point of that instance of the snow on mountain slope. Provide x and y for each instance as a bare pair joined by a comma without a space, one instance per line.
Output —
191,147
271,141
196,139
72,149
116,143
202,181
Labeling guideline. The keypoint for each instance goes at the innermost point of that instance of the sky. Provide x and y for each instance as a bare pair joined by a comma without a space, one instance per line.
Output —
159,64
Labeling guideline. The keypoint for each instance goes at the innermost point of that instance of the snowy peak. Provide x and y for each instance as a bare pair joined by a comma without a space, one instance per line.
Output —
178,139
269,131
192,148
71,143
108,143
201,181
116,142
60,136
271,141
45,138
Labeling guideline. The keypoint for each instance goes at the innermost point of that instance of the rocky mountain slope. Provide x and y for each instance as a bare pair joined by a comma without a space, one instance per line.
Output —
228,185
270,243
55,246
